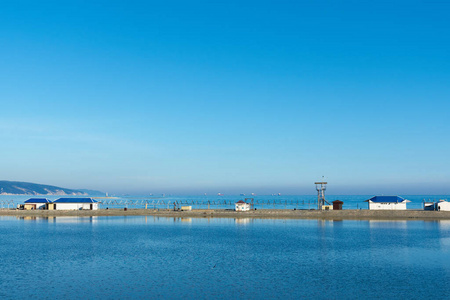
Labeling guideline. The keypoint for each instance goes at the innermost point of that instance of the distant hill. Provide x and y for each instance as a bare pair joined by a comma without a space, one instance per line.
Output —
28,188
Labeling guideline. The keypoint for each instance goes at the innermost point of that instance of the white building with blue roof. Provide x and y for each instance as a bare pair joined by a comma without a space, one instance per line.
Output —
35,203
387,203
74,204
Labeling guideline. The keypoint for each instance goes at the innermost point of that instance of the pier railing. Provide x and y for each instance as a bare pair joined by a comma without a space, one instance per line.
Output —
177,203
203,204
7,204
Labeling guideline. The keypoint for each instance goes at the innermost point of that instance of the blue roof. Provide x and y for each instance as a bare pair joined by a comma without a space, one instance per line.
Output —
387,199
75,200
38,200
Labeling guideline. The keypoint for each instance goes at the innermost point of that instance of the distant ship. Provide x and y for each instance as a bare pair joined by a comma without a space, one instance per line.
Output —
242,194
279,194
253,194
219,194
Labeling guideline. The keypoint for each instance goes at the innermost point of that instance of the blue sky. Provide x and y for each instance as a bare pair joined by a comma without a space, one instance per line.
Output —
232,96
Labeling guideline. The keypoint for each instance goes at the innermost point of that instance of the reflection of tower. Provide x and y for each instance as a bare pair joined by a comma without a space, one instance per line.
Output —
321,187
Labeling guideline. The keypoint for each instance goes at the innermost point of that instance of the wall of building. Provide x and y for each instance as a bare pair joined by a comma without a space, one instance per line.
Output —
76,206
39,205
443,206
29,206
429,206
242,207
387,206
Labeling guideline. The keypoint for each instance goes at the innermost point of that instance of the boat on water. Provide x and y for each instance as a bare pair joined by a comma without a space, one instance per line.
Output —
219,194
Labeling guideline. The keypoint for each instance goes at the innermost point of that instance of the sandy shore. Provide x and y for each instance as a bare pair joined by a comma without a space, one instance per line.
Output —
257,214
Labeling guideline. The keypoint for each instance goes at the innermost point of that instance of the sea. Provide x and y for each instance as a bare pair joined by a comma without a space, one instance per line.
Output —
146,257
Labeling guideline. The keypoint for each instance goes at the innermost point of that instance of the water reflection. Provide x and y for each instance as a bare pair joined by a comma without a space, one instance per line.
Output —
59,219
444,224
242,221
388,224
289,259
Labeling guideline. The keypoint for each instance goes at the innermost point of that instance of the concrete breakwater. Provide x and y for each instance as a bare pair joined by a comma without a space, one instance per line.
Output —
257,214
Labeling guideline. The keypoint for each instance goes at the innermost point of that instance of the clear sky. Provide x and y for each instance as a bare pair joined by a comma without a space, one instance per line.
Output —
226,96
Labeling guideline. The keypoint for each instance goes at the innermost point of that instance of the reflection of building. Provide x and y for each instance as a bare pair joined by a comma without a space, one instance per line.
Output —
388,224
444,224
73,204
387,203
35,203
242,206
242,221
65,219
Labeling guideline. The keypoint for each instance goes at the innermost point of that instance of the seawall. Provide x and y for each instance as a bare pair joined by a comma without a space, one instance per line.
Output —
258,214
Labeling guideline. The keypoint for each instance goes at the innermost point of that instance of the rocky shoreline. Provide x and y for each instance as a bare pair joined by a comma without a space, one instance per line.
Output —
255,214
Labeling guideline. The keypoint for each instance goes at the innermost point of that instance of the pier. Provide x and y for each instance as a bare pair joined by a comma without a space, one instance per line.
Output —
336,215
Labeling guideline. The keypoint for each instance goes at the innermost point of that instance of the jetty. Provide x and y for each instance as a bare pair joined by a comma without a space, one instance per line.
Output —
349,214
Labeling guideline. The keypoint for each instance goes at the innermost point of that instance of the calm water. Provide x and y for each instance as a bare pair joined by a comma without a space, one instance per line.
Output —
148,257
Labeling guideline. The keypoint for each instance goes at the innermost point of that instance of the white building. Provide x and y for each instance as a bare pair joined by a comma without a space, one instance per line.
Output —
429,206
35,203
443,205
387,203
74,204
242,206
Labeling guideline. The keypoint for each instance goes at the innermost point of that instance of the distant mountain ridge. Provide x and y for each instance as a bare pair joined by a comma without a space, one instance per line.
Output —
28,188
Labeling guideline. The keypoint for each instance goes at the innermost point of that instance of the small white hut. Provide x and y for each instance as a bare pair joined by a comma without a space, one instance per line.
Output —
429,206
387,203
242,206
443,205
74,204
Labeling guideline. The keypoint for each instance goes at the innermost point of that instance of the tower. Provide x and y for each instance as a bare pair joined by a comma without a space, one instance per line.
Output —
321,187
